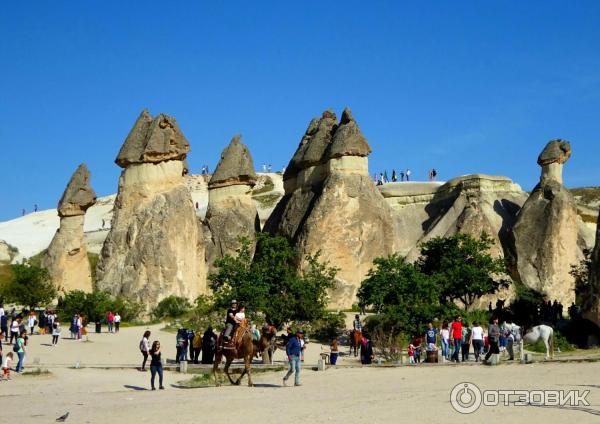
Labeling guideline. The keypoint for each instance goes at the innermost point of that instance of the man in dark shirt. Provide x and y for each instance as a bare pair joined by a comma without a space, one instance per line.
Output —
493,337
294,353
230,319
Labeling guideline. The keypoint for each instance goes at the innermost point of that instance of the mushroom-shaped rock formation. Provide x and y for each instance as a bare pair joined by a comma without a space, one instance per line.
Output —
231,213
545,234
155,247
66,258
332,205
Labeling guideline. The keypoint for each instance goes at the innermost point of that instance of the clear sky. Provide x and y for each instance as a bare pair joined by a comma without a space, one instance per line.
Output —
462,86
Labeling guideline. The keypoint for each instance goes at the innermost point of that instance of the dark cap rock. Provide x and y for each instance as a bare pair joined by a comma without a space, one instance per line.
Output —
153,140
348,140
235,166
79,195
556,151
314,144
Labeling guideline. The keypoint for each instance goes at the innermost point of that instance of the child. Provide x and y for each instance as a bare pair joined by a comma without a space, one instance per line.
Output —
55,333
411,353
6,361
240,316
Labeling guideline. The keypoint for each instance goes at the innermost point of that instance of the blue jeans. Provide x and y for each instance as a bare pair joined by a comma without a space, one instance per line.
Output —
156,369
445,348
457,343
294,366
333,358
20,363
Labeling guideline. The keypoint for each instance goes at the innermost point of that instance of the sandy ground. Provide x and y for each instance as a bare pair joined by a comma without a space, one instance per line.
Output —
349,395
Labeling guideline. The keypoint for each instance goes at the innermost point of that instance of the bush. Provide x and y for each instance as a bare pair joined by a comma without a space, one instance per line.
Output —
560,342
203,314
29,285
94,306
172,307
329,327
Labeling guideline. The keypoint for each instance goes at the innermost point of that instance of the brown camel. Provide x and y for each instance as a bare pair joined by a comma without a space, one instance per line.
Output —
245,348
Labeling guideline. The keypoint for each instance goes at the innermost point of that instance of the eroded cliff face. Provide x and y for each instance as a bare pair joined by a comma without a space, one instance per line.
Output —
66,257
155,247
546,232
332,206
594,278
231,213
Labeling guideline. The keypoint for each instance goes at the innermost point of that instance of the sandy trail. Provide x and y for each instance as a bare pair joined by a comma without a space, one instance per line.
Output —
348,395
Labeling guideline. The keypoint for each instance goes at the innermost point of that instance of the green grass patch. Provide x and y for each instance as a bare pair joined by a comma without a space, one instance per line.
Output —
267,187
36,372
268,200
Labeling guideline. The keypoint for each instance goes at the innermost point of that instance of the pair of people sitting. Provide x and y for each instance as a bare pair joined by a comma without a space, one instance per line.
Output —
236,316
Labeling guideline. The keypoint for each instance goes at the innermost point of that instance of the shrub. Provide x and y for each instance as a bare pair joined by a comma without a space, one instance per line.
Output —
327,328
94,306
172,307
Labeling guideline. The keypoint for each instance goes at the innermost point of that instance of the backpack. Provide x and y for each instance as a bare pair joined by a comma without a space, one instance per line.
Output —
16,347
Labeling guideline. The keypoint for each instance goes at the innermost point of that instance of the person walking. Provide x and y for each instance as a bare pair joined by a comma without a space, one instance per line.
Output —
110,319
20,350
477,340
6,362
456,337
14,329
145,348
55,332
444,339
294,352
156,366
117,321
493,338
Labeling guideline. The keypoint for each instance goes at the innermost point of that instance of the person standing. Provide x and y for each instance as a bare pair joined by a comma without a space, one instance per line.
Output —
14,329
477,340
209,343
20,348
55,332
493,338
431,338
444,339
31,321
408,174
117,321
334,352
465,341
4,326
456,337
110,319
394,176
145,348
156,366
6,361
366,350
196,346
294,352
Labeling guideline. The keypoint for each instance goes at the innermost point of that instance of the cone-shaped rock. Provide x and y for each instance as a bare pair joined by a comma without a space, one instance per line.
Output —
153,140
546,231
155,247
231,213
332,206
66,258
234,167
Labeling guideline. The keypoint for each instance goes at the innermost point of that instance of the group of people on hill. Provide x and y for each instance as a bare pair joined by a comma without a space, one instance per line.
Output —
456,338
382,177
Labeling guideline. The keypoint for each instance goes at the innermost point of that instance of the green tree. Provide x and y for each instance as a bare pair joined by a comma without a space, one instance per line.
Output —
29,285
462,267
94,306
586,295
172,307
406,298
269,283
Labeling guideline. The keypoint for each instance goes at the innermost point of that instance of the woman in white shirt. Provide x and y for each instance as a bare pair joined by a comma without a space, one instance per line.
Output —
477,339
14,329
31,321
445,338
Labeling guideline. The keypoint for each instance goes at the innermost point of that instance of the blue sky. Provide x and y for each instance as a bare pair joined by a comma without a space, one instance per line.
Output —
460,86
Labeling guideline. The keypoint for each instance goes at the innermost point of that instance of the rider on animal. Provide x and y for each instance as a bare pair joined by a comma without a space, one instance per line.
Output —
230,320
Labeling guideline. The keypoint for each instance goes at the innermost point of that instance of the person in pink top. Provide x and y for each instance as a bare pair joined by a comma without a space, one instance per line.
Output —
456,334
110,318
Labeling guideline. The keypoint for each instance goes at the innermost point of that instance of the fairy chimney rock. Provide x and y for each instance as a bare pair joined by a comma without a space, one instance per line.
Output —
552,158
79,195
235,166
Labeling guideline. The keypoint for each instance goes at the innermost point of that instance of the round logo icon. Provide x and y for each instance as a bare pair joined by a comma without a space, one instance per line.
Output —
465,398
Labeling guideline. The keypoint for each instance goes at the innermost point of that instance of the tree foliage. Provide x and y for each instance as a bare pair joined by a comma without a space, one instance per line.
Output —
171,307
462,267
94,306
29,285
268,282
586,295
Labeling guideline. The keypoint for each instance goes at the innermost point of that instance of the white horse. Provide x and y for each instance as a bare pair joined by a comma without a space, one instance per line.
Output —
546,334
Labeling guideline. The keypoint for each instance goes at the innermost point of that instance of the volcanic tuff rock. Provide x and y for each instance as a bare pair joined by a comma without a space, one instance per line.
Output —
6,253
153,140
231,212
331,205
155,247
594,277
66,258
546,232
